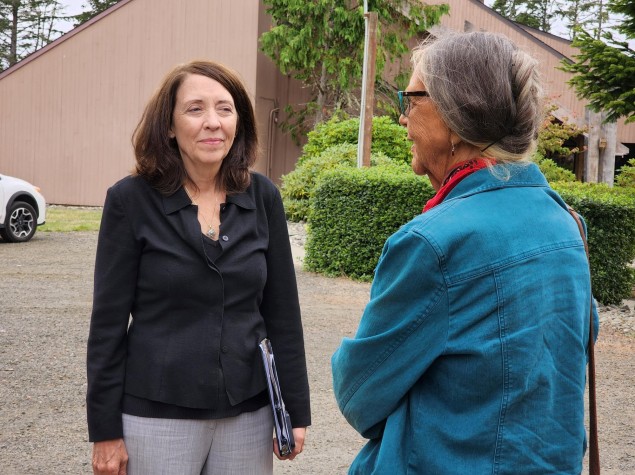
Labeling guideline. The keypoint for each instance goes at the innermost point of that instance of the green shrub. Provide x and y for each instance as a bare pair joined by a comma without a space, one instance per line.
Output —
610,217
557,139
626,177
388,138
551,170
297,185
354,211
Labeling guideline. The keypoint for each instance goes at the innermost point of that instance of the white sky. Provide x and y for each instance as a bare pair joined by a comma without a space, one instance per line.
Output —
71,7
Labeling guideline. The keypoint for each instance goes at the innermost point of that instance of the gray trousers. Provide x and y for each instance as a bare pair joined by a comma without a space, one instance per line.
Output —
235,445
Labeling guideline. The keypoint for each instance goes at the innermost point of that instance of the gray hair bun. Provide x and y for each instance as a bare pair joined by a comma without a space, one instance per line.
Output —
486,90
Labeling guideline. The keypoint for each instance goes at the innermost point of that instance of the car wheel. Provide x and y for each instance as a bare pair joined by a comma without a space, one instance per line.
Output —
20,223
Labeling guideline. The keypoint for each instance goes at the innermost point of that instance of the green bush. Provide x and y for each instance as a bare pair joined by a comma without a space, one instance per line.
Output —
626,177
388,138
297,185
551,170
354,211
557,139
610,217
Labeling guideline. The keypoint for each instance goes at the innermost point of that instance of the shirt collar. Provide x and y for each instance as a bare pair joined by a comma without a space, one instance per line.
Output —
176,201
179,200
244,200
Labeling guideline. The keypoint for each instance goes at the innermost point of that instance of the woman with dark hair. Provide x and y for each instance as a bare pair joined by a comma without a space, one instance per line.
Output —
193,270
470,356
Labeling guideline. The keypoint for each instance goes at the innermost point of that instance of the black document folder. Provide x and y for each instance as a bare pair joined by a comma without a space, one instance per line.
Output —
281,419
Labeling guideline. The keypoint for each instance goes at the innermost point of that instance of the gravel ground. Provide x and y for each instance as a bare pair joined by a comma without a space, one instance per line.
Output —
45,301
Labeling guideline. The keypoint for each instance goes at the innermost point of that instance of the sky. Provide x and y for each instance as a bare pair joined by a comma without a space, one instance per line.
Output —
71,7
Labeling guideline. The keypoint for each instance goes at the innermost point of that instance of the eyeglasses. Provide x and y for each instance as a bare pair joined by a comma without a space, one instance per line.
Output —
404,102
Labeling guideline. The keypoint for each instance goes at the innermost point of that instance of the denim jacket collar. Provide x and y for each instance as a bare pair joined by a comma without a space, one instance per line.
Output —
500,176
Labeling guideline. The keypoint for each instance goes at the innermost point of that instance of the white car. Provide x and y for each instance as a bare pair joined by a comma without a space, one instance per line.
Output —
22,209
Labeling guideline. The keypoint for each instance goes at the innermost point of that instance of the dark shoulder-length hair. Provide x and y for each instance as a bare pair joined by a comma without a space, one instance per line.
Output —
157,155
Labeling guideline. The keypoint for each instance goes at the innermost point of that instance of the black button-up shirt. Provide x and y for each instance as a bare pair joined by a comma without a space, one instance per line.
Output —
196,321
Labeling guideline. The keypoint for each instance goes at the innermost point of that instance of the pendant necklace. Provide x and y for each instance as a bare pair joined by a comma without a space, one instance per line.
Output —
211,232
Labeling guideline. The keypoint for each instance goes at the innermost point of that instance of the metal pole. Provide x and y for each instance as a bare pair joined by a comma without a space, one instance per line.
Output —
362,112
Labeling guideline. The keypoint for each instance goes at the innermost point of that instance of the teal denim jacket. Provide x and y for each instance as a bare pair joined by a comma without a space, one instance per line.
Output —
470,356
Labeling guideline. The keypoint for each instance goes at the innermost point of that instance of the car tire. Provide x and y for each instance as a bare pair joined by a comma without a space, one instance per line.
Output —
20,223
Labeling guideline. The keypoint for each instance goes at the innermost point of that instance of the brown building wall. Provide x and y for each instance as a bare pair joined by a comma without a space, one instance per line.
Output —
273,92
67,113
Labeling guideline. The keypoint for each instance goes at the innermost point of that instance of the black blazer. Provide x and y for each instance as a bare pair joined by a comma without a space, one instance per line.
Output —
191,318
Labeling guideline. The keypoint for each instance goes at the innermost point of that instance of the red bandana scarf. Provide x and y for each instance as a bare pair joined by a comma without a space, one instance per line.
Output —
459,172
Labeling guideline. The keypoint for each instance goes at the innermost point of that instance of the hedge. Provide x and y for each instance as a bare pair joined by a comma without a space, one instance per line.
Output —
551,170
388,138
354,211
298,185
626,177
610,217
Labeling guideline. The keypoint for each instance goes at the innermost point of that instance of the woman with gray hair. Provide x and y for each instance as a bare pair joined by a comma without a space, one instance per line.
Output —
470,356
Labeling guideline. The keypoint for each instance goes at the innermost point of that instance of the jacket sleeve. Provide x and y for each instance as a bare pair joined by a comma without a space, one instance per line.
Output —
115,278
280,309
403,330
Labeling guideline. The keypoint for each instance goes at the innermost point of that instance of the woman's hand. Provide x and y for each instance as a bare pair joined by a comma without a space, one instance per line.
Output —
110,457
299,434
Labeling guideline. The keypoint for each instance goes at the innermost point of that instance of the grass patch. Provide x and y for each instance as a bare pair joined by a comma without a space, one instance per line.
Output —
71,218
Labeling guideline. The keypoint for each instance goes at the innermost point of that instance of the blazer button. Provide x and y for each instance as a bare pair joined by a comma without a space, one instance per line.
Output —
225,238
224,349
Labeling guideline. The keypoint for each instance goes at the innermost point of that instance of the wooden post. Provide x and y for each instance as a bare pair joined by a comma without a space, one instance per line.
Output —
607,145
591,163
370,89
368,92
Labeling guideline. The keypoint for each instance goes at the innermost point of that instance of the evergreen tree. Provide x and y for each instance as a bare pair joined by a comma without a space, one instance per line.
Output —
96,7
625,8
507,8
539,14
588,15
576,14
321,43
604,71
25,27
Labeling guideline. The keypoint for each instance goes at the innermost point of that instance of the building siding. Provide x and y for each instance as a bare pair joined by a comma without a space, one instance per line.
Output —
68,114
